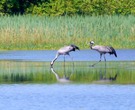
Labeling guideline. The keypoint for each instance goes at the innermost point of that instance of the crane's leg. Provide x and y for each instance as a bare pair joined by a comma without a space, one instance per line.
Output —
98,61
64,60
73,64
64,64
105,70
71,59
67,77
104,58
100,57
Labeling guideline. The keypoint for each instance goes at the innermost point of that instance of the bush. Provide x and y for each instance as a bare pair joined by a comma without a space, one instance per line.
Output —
67,7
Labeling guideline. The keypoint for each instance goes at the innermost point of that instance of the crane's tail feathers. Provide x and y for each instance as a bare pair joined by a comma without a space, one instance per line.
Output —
75,47
113,51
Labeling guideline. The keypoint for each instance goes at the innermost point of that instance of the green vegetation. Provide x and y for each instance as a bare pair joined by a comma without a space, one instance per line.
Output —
39,72
40,32
67,7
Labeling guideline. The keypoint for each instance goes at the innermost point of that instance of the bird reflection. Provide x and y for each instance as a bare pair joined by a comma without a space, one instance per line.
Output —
103,76
64,79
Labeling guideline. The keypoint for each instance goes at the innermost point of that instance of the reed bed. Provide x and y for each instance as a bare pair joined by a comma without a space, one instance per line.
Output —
40,32
39,72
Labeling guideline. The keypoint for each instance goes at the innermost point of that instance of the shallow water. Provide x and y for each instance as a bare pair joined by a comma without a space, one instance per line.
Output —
67,97
61,96
82,55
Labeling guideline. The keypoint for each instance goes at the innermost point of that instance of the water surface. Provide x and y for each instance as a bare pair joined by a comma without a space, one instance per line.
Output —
26,67
67,97
82,55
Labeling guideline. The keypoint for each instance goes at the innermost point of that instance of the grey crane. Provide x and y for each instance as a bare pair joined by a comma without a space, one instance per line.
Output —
64,51
102,50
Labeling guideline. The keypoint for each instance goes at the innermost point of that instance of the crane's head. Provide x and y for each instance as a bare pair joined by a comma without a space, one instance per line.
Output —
91,42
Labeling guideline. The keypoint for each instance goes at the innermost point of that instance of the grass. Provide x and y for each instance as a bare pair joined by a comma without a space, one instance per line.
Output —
39,32
39,72
26,72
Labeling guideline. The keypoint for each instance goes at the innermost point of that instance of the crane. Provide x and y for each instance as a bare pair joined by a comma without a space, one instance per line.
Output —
64,51
102,50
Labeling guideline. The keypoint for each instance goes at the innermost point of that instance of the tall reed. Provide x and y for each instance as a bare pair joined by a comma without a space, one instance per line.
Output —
39,32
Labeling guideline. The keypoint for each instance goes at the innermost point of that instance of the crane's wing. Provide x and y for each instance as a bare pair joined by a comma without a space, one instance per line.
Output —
105,49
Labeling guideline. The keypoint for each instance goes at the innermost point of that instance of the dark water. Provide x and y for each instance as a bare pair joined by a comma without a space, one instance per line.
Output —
67,97
48,55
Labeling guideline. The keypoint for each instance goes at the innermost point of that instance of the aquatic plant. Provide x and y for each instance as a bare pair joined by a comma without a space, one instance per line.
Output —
39,72
40,32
